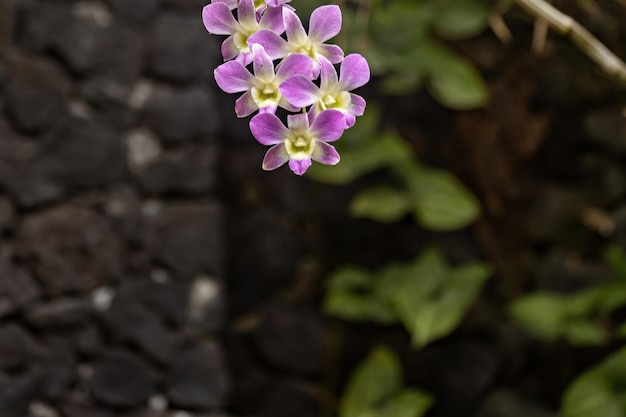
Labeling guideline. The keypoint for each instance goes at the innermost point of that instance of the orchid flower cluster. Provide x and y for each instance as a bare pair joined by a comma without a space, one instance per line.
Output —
304,81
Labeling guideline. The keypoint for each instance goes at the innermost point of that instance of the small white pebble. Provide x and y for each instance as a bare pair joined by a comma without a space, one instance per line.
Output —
94,11
102,298
203,292
143,147
158,403
39,409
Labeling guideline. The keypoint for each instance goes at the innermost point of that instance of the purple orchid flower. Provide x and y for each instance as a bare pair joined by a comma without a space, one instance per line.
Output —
298,143
259,5
261,89
325,23
332,93
219,20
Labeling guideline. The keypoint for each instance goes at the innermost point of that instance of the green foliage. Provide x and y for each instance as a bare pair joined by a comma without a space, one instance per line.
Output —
427,296
600,391
579,318
436,199
376,390
399,39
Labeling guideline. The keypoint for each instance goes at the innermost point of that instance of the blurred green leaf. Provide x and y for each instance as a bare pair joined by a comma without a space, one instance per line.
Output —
616,258
376,379
399,24
452,80
460,19
386,149
349,297
383,204
541,314
601,391
441,311
402,83
429,298
406,403
585,333
441,202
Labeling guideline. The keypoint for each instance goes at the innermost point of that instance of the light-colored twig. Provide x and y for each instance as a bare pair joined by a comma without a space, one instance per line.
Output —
588,43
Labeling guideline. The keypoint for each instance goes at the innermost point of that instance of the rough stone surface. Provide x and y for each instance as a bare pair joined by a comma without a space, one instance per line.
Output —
182,115
143,328
17,288
186,56
291,340
139,10
36,94
185,170
186,238
198,378
121,379
70,249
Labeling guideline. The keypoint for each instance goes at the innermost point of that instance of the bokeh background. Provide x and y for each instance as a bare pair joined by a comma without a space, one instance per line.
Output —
466,257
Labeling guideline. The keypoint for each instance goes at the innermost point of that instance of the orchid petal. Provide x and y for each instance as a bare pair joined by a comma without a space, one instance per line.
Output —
268,129
218,19
328,125
283,103
245,58
298,123
231,4
295,64
296,35
269,108
357,105
273,20
233,77
299,166
331,52
325,153
275,46
245,105
350,120
275,157
262,64
325,23
355,72
246,14
229,49
299,91
328,76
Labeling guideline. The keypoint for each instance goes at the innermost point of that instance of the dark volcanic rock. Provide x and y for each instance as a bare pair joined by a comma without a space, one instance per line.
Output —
182,115
198,379
36,94
70,249
122,380
138,10
80,153
17,347
60,312
291,340
59,367
142,327
17,288
18,391
188,239
186,56
190,170
264,260
76,154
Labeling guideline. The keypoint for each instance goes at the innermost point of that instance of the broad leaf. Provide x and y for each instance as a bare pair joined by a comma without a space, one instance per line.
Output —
541,314
460,19
441,202
383,204
375,380
599,391
349,297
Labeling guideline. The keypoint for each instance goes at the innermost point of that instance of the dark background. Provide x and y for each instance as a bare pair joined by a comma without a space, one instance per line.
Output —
148,266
